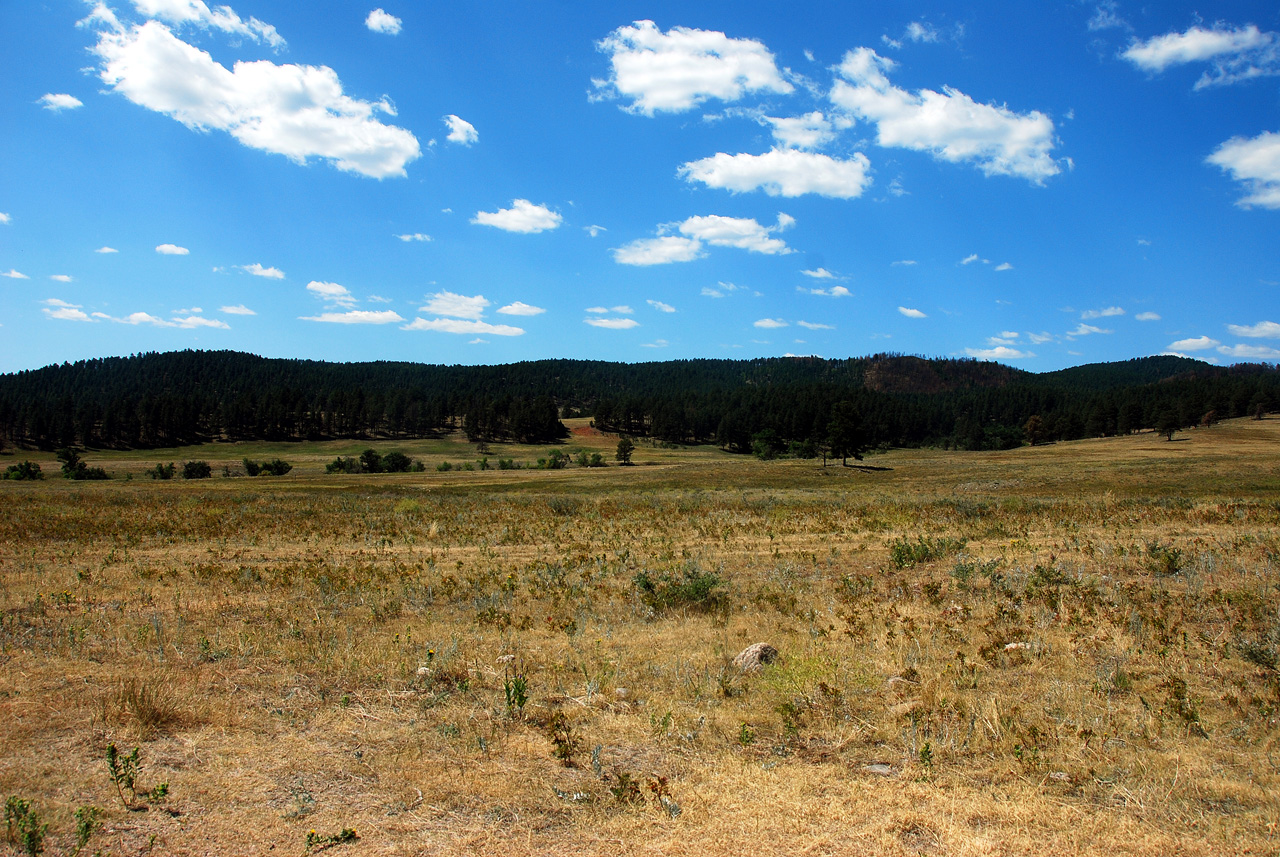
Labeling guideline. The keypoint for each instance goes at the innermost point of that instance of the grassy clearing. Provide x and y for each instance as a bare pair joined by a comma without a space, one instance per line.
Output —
1068,649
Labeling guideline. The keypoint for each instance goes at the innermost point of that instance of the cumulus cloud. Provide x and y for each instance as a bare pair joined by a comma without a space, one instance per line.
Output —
238,309
332,293
460,130
259,271
903,262
198,13
1147,316
383,22
660,306
172,250
1261,330
63,311
521,308
819,274
1004,266
522,216
1102,313
678,70
742,232
1083,329
356,316
949,125
919,31
5,218
833,292
58,101
14,274
970,259
1199,343
813,325
298,111
1254,162
911,313
61,278
782,172
1250,352
414,236
458,306
468,327
770,323
612,323
657,343
1001,352
1234,54
594,230
811,131
658,251
105,249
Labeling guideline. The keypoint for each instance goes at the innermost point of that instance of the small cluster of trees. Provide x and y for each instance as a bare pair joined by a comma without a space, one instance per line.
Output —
372,461
274,467
190,470
73,466
23,470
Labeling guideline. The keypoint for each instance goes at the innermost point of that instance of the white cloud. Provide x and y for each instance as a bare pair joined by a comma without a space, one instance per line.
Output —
658,251
1106,18
458,306
293,110
911,313
918,31
1199,343
105,249
239,309
460,130
742,232
949,125
1255,162
463,326
522,216
597,309
594,230
63,311
819,274
1083,329
521,308
14,275
171,250
356,316
833,292
810,131
678,70
612,323
332,292
1262,330
657,343
61,278
660,306
5,219
813,325
259,271
383,22
200,321
1040,338
970,259
197,12
1102,313
1004,266
903,262
1236,54
378,299
1254,352
782,172
1002,352
1147,316
58,101
414,236
770,323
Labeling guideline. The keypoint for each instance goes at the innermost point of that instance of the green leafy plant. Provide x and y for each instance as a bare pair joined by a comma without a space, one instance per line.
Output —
316,842
24,470
23,826
88,820
515,687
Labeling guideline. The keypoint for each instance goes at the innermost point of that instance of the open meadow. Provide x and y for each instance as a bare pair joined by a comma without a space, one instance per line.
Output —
1061,649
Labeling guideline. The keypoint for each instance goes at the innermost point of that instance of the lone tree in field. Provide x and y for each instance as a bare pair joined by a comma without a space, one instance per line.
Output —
844,433
1034,429
1168,424
625,448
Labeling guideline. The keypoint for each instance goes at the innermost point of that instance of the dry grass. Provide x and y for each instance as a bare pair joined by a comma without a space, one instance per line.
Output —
1069,649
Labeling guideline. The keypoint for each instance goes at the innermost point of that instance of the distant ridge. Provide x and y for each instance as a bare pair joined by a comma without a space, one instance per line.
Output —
184,397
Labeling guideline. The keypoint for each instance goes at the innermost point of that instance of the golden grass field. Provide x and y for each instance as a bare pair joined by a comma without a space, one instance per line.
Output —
1067,649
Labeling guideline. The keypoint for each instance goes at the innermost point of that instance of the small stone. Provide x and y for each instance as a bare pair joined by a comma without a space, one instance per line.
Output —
879,770
621,693
1010,647
755,656
424,671
905,708
504,659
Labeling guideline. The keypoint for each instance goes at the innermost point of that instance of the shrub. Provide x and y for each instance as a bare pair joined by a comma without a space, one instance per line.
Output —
252,468
396,462
24,470
371,461
73,466
276,467
161,471
343,465
690,589
196,470
904,553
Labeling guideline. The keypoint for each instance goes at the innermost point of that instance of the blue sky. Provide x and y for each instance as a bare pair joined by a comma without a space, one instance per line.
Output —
1045,184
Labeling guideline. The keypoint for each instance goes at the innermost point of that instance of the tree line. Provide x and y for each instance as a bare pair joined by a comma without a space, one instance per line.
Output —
779,404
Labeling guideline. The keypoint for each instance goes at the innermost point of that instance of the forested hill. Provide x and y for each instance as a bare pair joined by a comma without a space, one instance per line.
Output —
177,398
